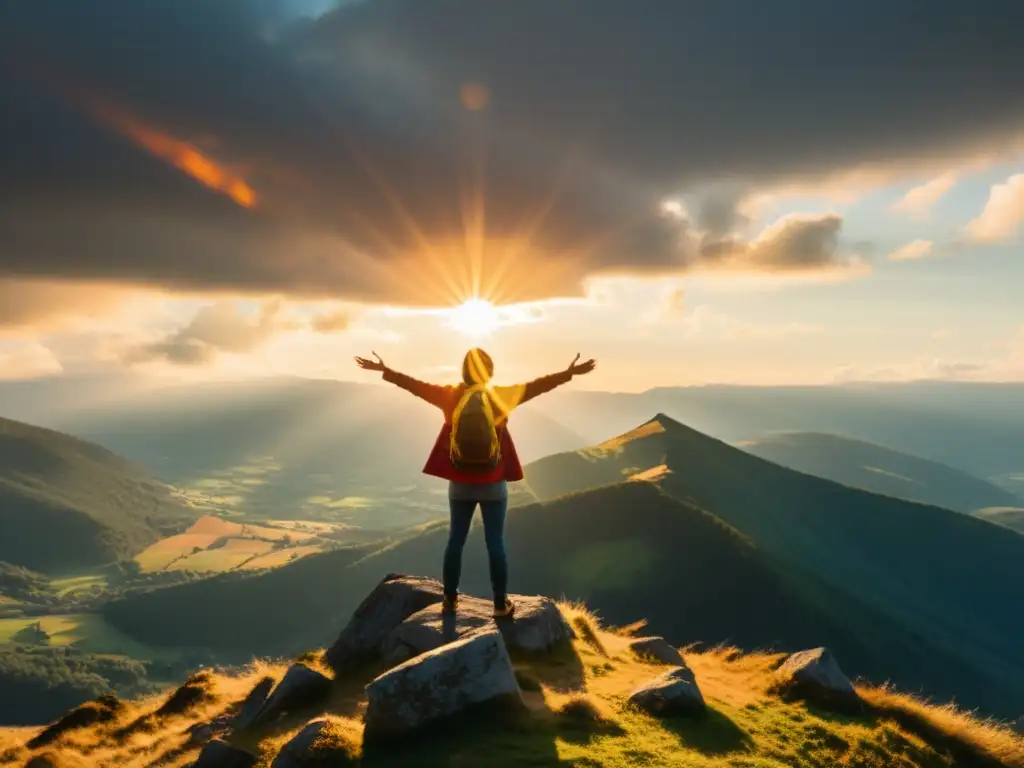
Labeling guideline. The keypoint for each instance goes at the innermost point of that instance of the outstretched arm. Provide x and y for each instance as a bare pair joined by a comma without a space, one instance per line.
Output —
435,394
511,397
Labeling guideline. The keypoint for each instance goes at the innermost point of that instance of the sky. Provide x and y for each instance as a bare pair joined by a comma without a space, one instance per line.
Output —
709,191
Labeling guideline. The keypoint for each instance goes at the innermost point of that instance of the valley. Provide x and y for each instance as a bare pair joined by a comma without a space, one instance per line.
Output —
268,551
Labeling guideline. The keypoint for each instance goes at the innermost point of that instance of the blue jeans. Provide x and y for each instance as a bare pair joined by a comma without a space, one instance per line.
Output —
493,514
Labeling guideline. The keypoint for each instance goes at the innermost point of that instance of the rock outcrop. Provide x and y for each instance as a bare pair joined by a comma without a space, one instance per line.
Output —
252,704
814,675
300,688
673,693
442,682
657,649
315,746
537,627
220,754
393,600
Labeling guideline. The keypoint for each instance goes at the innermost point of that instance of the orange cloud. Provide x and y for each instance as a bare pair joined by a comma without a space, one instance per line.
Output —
180,154
916,249
919,200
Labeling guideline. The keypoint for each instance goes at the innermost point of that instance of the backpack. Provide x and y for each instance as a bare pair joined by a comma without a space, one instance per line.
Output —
475,446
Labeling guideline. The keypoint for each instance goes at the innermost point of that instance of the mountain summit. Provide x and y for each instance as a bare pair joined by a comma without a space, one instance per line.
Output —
406,684
946,578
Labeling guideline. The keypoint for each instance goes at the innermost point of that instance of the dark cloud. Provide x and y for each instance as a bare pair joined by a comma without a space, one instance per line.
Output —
215,329
793,244
350,130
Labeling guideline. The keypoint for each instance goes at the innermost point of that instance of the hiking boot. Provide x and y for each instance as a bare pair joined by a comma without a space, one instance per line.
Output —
449,604
506,610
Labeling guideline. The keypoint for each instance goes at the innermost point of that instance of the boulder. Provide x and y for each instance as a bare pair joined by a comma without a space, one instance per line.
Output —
658,649
300,688
395,599
815,675
253,703
537,626
220,754
316,745
673,693
446,681
200,733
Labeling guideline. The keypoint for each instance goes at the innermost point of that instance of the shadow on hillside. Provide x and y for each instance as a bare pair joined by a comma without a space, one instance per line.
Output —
560,669
509,735
712,734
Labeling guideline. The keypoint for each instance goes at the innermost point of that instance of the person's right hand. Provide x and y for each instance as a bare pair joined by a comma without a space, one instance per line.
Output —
371,365
579,369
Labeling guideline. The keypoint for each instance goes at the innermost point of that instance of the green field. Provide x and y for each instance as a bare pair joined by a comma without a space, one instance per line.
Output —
68,586
216,545
260,488
88,632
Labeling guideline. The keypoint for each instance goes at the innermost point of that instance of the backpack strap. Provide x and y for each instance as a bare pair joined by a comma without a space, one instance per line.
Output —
467,392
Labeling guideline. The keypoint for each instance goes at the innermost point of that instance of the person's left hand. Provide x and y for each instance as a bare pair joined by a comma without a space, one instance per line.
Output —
579,369
371,365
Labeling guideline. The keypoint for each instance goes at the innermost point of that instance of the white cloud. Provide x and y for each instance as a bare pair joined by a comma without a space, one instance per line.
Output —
217,328
1002,213
916,249
918,201
27,360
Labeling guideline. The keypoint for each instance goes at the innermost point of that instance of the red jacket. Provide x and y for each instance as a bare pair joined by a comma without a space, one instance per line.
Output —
439,463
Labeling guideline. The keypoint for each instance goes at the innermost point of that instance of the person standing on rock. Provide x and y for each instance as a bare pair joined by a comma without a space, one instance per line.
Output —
474,452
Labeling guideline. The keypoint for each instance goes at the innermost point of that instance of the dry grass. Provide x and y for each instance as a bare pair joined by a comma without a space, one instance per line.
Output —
987,738
155,735
577,716
586,628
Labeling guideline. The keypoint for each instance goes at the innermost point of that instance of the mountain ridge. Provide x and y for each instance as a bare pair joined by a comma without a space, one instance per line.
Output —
872,467
893,554
67,504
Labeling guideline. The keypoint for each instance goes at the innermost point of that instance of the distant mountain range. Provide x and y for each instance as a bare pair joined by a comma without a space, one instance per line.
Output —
975,427
314,434
880,470
67,504
708,543
1011,517
294,448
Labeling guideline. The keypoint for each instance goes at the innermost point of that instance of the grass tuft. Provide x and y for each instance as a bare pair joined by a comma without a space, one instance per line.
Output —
584,625
972,740
580,708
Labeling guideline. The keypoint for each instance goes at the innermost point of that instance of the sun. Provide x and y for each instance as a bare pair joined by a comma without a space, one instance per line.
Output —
475,318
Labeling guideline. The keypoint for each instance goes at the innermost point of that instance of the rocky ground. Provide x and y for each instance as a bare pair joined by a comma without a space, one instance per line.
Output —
405,684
